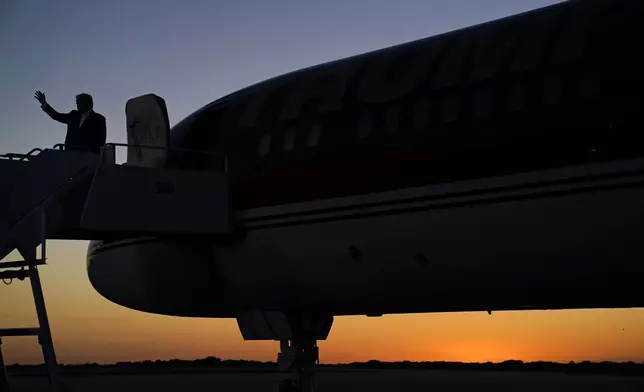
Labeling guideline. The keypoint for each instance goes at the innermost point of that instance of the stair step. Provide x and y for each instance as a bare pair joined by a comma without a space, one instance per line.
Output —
21,263
19,331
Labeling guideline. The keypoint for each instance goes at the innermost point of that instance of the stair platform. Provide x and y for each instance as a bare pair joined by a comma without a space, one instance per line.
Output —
89,197
67,193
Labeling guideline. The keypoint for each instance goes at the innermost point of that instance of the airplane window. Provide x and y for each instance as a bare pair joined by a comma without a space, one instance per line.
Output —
366,123
531,48
573,44
314,135
494,47
391,120
449,72
421,115
264,145
289,140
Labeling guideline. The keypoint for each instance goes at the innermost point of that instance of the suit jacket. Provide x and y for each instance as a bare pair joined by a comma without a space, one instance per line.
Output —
91,134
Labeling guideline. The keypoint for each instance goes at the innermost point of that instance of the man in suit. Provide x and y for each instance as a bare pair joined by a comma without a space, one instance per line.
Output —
85,128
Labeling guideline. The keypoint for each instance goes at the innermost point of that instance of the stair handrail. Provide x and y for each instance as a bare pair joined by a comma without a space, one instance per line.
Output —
63,147
20,157
49,198
107,146
100,162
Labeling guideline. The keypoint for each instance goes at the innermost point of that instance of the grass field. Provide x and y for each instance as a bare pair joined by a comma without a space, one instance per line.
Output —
340,381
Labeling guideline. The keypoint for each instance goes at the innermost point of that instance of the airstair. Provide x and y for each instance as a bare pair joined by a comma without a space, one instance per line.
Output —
68,193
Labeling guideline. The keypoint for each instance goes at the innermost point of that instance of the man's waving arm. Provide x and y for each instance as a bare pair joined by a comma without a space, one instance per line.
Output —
60,117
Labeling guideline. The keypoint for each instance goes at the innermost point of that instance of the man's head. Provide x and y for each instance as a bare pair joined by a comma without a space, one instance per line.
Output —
84,102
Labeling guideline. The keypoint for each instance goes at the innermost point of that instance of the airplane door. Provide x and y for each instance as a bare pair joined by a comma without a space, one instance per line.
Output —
147,125
205,135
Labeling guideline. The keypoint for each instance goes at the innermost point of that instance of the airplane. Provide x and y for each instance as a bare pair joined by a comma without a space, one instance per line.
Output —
496,167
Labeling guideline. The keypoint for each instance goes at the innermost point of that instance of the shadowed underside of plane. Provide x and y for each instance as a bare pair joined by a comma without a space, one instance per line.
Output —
494,167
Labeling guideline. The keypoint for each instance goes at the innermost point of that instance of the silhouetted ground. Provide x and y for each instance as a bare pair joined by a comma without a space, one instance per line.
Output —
213,364
345,381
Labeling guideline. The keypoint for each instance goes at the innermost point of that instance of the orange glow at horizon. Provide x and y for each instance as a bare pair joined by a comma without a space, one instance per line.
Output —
88,328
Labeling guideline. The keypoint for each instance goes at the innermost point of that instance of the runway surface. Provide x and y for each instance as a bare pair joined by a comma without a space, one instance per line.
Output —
372,381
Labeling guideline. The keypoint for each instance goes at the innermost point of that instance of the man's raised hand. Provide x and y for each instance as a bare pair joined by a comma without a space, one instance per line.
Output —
40,97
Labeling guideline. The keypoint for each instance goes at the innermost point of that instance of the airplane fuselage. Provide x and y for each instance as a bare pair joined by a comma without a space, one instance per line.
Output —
493,168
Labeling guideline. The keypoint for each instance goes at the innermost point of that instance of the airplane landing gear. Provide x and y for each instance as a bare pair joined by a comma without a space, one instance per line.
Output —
298,334
299,351
299,356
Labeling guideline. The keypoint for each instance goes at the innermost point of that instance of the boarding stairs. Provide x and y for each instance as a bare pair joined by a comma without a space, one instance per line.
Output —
70,193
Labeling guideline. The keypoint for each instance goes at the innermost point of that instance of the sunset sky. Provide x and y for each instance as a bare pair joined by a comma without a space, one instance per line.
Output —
191,53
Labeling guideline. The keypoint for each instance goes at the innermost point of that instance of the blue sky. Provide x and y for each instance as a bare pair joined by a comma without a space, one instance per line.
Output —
190,52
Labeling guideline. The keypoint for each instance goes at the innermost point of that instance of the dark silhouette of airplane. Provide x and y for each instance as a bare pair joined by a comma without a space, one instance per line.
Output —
497,167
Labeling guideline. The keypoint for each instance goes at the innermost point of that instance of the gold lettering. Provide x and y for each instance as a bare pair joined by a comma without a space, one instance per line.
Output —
289,140
573,43
450,70
532,46
421,115
451,108
392,119
516,98
378,86
328,84
483,102
253,107
494,47
366,123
